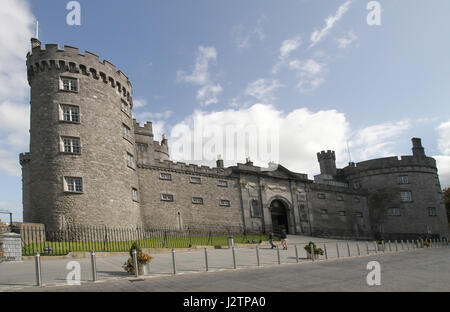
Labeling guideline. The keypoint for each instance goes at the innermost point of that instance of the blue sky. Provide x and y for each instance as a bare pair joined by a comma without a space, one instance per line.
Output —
314,69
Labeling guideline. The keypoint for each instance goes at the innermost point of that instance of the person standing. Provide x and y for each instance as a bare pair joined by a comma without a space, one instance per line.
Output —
271,240
283,237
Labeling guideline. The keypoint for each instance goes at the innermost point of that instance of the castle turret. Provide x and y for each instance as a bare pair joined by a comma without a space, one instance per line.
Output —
327,162
417,149
81,165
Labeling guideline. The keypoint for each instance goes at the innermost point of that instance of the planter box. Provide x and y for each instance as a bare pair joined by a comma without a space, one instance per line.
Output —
143,269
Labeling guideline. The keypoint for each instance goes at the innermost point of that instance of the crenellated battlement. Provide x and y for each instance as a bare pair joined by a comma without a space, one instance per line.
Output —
147,129
69,59
24,158
326,155
191,169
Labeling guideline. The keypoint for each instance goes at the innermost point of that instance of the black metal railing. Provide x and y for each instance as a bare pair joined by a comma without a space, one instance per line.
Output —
83,238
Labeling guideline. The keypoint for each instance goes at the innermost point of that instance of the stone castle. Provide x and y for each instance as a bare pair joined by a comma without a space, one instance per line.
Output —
91,163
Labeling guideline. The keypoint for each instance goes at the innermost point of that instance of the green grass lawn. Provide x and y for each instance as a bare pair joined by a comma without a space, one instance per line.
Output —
63,248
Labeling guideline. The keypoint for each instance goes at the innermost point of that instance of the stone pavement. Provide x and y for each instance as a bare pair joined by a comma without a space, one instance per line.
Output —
14,276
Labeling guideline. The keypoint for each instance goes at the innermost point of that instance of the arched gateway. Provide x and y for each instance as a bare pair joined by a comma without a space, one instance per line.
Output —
279,213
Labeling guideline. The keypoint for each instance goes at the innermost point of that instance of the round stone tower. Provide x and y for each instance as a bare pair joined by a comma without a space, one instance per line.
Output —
81,165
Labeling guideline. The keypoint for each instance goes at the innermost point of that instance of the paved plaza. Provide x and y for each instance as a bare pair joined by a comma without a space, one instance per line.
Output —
416,269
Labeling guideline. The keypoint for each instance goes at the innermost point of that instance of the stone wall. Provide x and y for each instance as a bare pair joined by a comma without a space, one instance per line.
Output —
182,212
11,247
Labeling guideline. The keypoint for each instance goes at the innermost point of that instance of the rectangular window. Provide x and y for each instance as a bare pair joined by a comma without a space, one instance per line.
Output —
403,180
224,202
196,180
165,176
356,186
394,212
321,196
339,197
342,213
126,132
167,197
222,183
71,145
406,196
70,113
74,185
142,147
69,84
356,199
359,214
432,212
197,200
134,194
130,160
124,106
324,212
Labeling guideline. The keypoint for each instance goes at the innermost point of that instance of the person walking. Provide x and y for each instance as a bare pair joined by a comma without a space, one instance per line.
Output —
283,237
271,240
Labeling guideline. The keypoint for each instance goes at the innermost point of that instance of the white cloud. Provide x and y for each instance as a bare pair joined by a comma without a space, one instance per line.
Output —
377,141
200,74
311,74
139,102
263,90
346,40
330,22
207,94
150,116
243,36
16,29
287,47
443,160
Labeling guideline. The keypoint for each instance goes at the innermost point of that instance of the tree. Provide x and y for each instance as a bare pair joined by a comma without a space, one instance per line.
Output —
446,194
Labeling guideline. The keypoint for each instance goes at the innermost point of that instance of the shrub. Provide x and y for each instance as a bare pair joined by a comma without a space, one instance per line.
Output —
312,246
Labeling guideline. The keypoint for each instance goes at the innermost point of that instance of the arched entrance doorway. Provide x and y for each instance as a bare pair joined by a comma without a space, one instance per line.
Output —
278,211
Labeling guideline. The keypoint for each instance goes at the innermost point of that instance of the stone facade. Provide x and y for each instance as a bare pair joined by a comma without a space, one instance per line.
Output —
11,247
128,179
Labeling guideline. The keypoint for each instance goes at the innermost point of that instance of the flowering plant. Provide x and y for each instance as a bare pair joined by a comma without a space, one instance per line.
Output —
312,246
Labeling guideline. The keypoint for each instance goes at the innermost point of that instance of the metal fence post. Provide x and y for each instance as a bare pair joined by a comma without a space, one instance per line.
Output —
337,250
37,259
325,250
173,262
401,242
257,256
376,246
367,247
136,266
234,257
296,253
357,248
389,243
94,266
348,249
396,246
206,259
278,254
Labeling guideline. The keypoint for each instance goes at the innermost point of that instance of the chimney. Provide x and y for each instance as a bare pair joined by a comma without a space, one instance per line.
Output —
35,43
417,149
219,161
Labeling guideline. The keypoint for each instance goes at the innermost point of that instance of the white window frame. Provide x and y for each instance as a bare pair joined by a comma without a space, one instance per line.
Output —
197,200
72,146
403,179
222,183
195,180
404,198
434,214
124,106
70,185
130,160
340,198
224,203
126,132
167,197
134,194
74,110
72,84
165,176
359,214
394,212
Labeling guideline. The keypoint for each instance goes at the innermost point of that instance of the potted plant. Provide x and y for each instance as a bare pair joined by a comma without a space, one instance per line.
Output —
143,261
312,248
